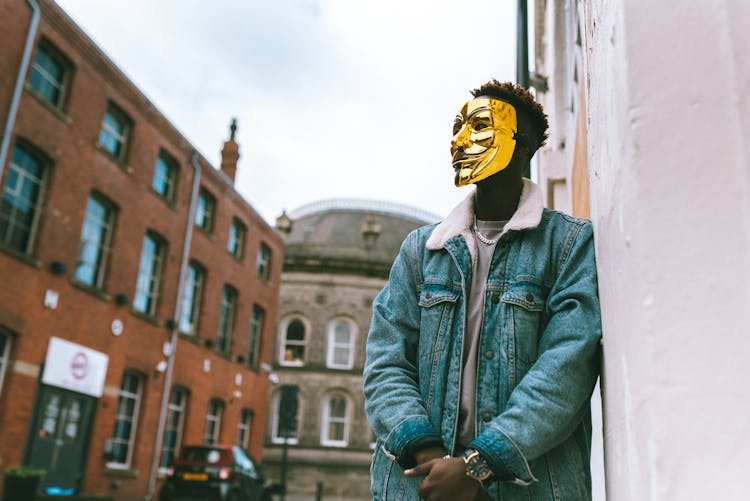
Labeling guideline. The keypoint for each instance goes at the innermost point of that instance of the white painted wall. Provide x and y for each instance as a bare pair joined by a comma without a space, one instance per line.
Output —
669,152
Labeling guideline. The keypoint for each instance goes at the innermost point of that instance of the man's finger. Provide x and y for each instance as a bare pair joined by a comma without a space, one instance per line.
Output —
420,470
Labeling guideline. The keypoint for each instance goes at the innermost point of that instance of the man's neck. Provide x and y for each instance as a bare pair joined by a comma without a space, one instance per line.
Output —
498,201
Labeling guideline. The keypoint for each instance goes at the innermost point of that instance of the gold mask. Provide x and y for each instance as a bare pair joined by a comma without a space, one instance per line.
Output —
483,139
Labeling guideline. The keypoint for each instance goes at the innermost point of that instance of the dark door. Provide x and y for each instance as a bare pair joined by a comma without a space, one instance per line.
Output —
59,437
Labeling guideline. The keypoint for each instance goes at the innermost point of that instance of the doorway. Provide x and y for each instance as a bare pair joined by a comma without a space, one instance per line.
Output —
59,438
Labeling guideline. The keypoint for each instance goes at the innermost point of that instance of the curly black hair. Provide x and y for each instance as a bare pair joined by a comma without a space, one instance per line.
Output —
522,100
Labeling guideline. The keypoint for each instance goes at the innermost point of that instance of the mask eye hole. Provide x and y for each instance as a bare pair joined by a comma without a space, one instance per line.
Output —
457,123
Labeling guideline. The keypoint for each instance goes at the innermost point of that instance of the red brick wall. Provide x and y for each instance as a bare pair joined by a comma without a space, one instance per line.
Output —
78,167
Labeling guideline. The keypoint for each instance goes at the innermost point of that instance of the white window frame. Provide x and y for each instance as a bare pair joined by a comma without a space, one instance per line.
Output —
283,340
148,281
244,427
61,85
263,262
332,345
327,419
213,421
180,408
23,176
170,164
236,240
136,398
275,426
204,215
103,246
191,305
229,301
6,340
120,137
257,322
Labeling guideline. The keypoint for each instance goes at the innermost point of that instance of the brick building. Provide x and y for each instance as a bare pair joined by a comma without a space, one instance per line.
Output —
138,290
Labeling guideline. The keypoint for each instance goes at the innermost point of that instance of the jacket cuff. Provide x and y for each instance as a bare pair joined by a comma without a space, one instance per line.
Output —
504,458
408,437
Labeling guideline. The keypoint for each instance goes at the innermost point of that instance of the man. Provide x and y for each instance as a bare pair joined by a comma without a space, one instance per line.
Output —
484,345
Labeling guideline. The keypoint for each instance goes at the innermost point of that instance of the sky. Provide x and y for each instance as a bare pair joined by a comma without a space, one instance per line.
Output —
333,98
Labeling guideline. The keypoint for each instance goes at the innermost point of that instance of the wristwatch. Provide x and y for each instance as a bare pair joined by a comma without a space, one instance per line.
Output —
476,467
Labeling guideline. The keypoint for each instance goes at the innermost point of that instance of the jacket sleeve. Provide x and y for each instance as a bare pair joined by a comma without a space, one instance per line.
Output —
552,398
393,403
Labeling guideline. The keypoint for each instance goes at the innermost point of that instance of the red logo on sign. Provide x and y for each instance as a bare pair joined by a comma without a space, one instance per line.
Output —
79,365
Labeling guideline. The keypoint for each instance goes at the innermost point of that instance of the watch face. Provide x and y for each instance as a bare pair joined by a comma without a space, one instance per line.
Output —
476,467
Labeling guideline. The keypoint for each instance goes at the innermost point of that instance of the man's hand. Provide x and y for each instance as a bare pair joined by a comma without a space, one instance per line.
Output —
445,479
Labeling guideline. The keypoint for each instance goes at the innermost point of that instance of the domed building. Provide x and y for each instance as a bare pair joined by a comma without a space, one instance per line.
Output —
338,256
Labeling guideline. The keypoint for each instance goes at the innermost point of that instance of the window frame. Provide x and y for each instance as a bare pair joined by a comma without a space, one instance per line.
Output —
275,425
263,262
173,170
283,341
236,239
245,427
206,213
63,86
6,341
214,415
332,345
257,323
156,274
103,247
127,125
195,299
227,320
181,407
24,175
326,420
137,398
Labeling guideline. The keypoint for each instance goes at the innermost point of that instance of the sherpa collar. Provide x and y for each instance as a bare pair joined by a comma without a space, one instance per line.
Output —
459,221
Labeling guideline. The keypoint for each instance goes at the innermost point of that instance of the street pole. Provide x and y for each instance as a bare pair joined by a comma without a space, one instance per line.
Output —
283,468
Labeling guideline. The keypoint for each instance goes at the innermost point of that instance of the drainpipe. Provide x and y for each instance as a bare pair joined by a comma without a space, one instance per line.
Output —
175,327
11,121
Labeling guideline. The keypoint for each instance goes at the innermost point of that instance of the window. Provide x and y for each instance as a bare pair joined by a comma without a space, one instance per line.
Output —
256,333
341,334
226,320
213,421
149,274
165,176
293,342
115,130
336,417
21,203
126,421
264,262
285,415
205,211
50,74
191,303
4,356
236,238
95,239
173,430
244,428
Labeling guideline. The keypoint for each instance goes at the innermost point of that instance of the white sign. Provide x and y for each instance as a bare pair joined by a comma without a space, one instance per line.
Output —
117,327
75,367
50,299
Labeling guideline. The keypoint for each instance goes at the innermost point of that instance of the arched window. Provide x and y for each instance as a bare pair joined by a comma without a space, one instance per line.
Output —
336,420
341,337
293,339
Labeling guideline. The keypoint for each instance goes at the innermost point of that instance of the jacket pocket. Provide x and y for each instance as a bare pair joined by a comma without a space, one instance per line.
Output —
526,304
438,305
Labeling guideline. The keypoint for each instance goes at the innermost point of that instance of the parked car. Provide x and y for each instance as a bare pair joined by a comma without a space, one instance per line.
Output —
214,473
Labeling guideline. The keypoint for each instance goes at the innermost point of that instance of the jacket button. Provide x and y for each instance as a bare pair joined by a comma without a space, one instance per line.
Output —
495,299
489,355
487,417
428,295
530,297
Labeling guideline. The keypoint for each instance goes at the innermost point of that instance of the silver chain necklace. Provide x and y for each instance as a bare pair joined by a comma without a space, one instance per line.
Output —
488,241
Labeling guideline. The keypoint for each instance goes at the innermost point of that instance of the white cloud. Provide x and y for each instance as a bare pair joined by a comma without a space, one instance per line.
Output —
335,98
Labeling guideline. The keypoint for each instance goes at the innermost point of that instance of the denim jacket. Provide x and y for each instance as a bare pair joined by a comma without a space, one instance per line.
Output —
538,354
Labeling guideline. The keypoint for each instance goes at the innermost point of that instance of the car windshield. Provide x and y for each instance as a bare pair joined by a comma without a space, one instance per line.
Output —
202,455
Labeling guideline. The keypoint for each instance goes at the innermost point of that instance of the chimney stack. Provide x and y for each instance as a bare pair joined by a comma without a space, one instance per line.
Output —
230,153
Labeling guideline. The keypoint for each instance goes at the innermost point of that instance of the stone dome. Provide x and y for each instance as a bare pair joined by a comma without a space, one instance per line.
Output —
349,236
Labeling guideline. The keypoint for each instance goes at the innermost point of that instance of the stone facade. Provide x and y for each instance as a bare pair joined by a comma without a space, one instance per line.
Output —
337,261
